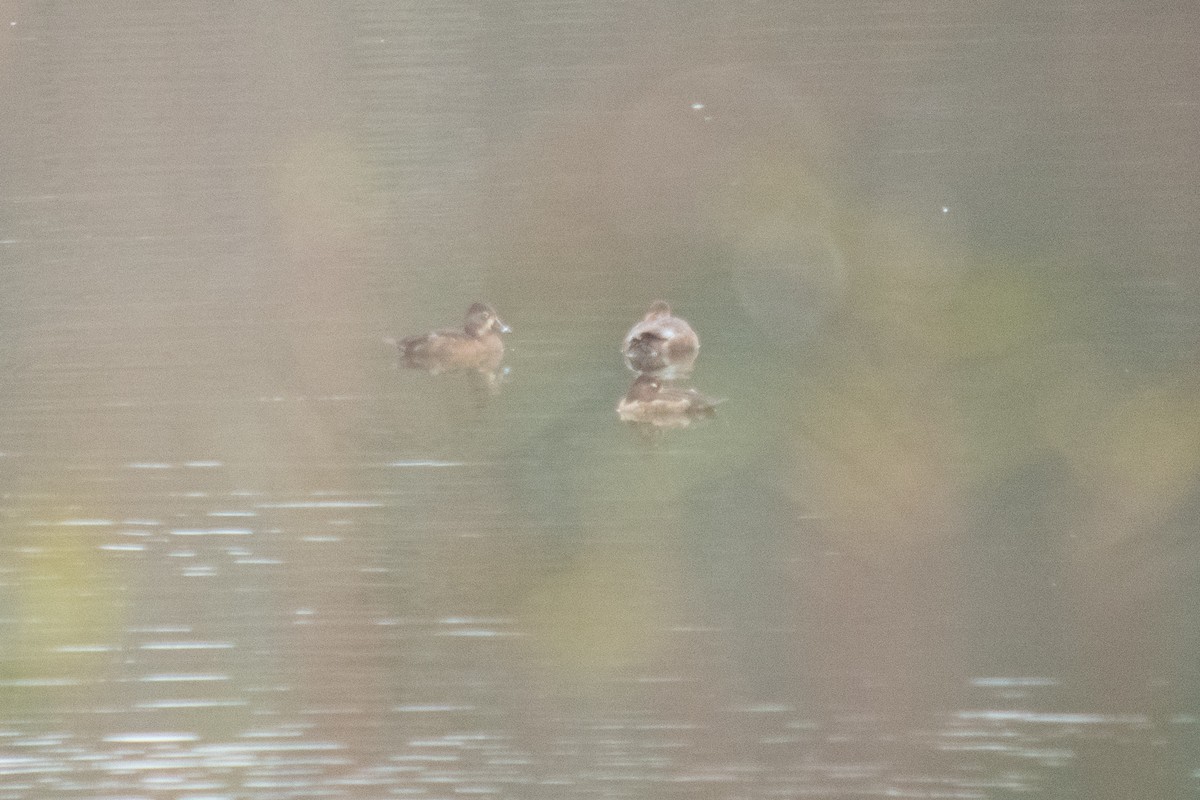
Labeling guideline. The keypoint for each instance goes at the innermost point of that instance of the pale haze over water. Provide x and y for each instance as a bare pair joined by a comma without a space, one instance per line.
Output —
940,539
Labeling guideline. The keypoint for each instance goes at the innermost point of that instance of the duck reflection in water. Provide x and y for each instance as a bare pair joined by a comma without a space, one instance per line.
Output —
650,403
476,348
661,343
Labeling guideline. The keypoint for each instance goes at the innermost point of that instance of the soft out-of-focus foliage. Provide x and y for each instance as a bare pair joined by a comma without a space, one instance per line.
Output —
887,375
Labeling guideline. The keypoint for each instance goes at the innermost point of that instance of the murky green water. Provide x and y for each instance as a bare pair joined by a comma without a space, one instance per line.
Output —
940,540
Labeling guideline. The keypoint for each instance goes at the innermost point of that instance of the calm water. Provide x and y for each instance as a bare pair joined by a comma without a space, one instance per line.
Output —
941,540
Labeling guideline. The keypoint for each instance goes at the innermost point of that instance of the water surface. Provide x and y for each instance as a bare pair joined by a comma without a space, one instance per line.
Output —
939,541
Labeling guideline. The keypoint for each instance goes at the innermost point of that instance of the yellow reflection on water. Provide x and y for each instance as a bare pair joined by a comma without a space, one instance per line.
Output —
1145,456
606,610
67,604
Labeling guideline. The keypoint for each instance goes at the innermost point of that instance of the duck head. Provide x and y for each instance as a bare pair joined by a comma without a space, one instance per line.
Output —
482,319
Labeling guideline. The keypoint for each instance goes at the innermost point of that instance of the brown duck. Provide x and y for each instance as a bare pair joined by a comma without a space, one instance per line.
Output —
661,343
477,346
650,402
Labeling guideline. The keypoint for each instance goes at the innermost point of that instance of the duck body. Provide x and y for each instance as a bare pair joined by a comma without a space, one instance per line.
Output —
650,402
661,343
477,346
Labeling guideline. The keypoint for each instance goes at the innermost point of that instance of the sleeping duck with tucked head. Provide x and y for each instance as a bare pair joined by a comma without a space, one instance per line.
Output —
477,346
661,343
651,402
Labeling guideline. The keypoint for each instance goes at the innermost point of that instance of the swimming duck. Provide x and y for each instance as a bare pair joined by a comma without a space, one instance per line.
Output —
661,343
477,346
650,402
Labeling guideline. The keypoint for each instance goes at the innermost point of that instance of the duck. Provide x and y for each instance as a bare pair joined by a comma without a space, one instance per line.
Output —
661,343
477,346
650,402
